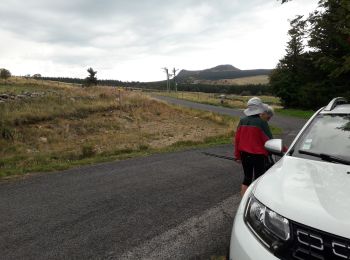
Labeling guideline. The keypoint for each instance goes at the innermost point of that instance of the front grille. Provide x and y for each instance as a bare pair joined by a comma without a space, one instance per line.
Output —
311,244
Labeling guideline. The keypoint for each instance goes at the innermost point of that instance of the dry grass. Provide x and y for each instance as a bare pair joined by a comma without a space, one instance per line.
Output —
58,101
72,126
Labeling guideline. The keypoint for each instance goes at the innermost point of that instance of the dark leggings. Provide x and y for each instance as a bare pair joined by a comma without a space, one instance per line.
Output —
253,165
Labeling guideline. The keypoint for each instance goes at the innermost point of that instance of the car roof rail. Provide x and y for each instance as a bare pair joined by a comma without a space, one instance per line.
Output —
335,102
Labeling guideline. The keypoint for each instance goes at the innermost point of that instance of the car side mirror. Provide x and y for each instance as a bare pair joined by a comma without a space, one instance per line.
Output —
275,146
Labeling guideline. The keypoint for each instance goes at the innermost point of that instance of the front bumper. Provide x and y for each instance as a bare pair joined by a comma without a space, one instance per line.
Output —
244,245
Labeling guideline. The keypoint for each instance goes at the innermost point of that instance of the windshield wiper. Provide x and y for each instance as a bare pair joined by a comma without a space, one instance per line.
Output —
326,157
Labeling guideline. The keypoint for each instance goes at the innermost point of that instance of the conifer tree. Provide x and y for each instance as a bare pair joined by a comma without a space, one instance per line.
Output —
91,79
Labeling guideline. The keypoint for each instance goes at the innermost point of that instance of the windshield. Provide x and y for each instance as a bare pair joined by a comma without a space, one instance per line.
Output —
328,135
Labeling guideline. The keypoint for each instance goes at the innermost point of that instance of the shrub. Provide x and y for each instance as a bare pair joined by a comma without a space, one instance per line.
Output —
143,147
87,151
6,133
5,74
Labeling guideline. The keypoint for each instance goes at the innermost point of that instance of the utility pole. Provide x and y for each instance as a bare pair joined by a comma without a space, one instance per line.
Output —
174,74
167,78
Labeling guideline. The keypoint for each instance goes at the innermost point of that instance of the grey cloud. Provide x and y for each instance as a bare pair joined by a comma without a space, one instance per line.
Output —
73,20
120,28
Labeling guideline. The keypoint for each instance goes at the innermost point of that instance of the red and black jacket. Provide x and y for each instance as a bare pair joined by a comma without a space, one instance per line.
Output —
252,133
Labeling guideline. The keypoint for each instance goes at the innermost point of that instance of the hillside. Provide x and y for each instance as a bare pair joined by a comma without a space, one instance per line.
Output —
49,126
221,72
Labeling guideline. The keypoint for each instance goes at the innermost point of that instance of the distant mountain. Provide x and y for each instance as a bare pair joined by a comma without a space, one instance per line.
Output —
218,73
221,68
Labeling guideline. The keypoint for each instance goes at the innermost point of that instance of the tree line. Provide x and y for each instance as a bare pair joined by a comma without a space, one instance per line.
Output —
247,89
316,66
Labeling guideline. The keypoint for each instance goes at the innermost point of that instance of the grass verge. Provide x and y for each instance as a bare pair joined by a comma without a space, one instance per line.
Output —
305,114
38,164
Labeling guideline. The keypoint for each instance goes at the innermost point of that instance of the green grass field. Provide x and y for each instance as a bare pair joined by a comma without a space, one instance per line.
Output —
306,114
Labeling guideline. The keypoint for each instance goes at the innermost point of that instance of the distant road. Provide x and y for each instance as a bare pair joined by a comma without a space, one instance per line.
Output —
290,125
166,206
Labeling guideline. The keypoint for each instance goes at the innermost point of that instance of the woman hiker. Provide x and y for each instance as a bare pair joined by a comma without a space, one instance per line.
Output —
252,133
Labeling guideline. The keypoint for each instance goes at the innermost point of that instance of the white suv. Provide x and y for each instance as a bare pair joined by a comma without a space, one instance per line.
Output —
300,208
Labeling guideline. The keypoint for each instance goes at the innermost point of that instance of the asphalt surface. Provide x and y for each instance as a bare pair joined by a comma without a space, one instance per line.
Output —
166,206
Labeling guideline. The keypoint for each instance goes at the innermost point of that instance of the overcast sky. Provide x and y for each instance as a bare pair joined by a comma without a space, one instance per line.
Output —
133,39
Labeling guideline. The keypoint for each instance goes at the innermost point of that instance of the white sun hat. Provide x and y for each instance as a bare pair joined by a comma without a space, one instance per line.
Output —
255,107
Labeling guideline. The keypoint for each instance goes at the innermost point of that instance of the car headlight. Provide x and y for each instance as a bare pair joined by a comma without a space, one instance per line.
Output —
271,229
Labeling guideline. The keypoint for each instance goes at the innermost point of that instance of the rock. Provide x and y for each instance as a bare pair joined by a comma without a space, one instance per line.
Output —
130,119
36,94
4,96
43,139
33,150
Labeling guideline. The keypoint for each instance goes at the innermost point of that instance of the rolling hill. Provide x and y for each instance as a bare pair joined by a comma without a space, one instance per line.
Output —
221,73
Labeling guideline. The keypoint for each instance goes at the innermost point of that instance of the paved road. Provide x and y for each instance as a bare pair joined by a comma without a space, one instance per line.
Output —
167,206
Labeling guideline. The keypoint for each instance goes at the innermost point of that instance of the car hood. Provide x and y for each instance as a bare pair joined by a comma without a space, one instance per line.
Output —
314,193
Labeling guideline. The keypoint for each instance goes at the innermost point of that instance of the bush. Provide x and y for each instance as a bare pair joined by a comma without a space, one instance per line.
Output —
5,74
6,133
245,93
87,151
143,147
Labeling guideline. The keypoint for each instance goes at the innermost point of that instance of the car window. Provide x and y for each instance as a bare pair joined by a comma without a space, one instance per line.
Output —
327,134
